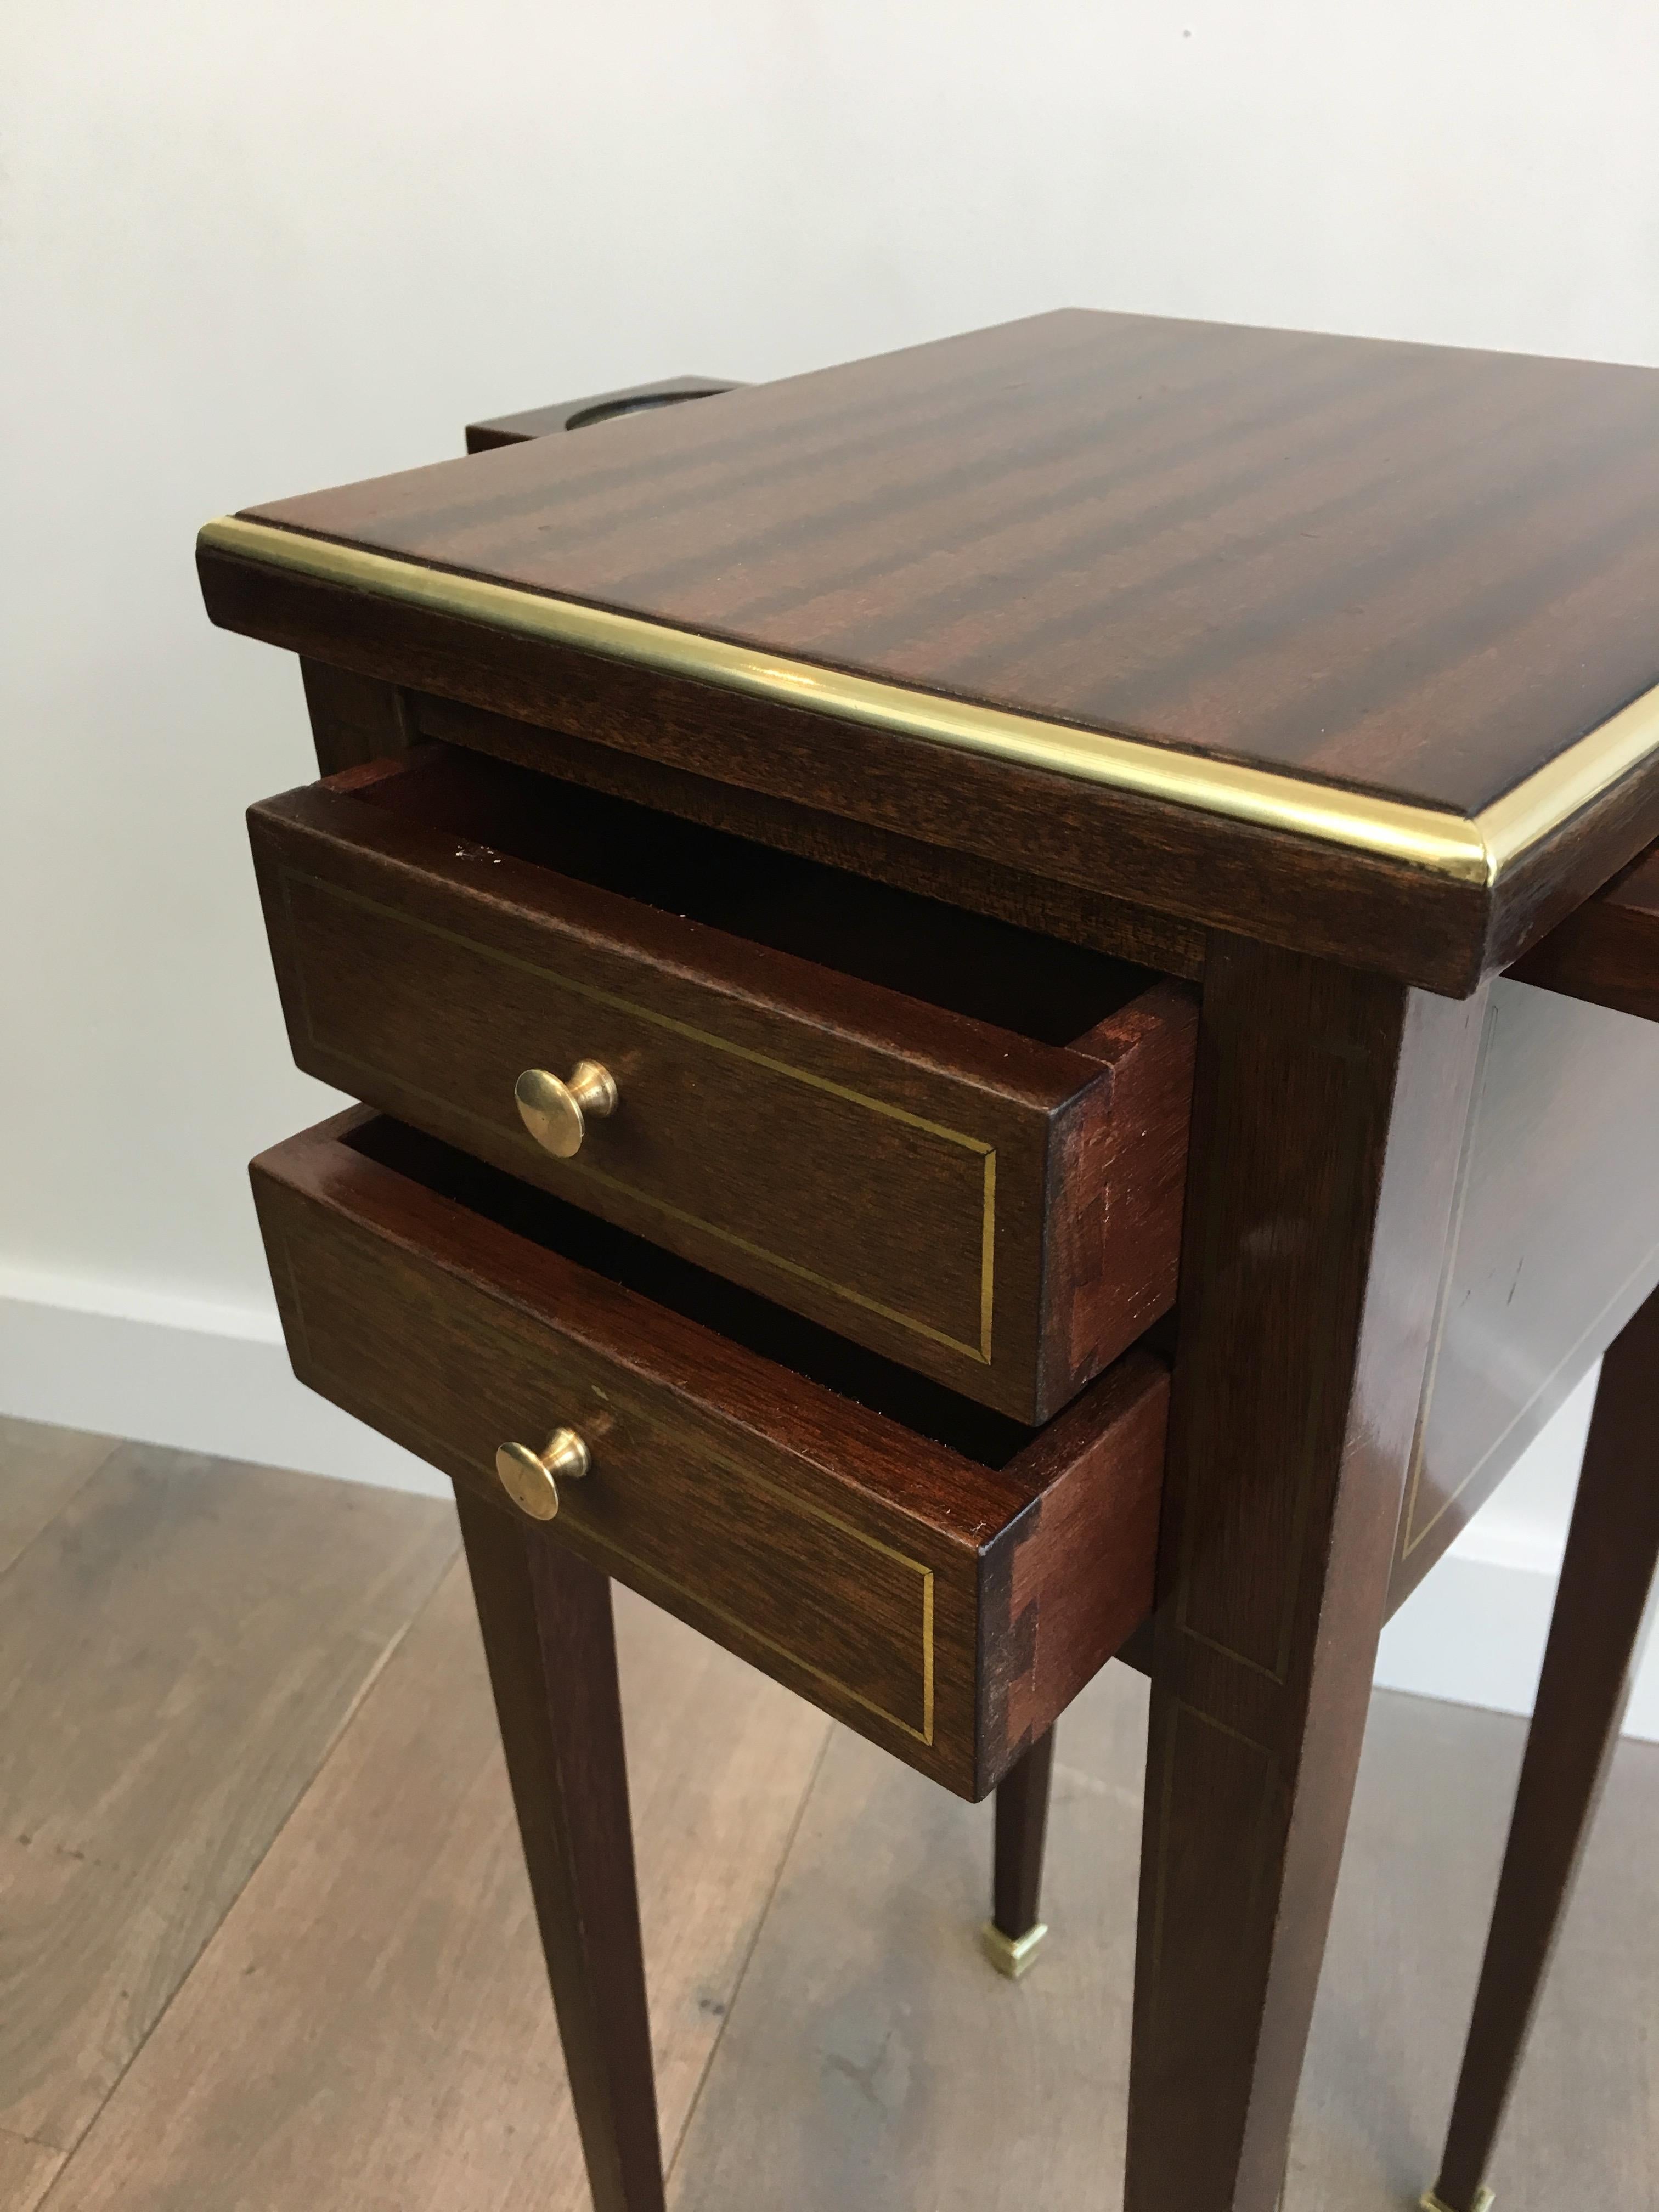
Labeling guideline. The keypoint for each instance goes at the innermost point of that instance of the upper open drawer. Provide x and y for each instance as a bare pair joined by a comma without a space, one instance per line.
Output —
955,1141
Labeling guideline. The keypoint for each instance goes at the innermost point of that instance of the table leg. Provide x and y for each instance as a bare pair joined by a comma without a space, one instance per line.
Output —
1013,1933
550,1645
1328,1116
1605,1597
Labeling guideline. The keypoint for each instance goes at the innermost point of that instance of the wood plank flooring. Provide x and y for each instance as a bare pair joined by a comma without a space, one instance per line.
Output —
265,1943
40,1470
26,2172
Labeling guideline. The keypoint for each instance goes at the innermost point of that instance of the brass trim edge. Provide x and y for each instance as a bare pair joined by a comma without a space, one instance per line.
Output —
1524,817
1429,2202
1474,849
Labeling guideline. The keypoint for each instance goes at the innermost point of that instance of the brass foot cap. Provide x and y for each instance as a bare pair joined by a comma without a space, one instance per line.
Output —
1428,2202
1011,1954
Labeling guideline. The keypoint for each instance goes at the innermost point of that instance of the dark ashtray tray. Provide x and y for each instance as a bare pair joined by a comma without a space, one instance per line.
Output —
637,404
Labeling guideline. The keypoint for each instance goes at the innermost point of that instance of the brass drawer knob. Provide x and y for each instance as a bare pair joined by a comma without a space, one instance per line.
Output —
555,1114
531,1478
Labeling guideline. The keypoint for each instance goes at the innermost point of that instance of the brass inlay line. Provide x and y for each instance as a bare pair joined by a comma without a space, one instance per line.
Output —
1447,1268
924,1733
1475,849
987,1239
1226,1651
391,1420
579,1165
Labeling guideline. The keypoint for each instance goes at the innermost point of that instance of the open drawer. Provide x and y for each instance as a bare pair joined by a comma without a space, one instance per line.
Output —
921,1567
955,1141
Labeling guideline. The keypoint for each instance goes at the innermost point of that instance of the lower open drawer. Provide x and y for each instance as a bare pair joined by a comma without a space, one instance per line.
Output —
939,1577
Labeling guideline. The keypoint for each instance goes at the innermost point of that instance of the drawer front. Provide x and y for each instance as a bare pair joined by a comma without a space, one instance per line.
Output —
952,1195
893,1582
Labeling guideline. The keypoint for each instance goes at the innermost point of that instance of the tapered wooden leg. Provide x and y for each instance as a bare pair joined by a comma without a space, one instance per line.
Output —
1014,1932
548,1637
1602,1605
1328,1116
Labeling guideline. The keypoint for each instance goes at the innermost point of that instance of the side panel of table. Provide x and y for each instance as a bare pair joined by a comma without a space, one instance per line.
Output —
1555,1245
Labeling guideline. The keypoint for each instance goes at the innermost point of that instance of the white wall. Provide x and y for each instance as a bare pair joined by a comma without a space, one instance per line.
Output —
248,249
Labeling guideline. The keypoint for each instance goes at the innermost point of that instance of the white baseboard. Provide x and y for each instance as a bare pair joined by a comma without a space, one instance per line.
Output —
215,1378
183,1372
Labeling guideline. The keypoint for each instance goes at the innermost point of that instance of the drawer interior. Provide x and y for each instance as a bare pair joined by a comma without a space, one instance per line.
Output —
990,1438
967,964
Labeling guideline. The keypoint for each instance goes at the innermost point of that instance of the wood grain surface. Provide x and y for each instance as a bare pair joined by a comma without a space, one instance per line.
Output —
27,2172
981,883
40,1470
948,1597
1403,569
177,1651
587,413
874,2058
1328,1123
870,1106
372,2025
549,1643
1604,1609
1188,866
353,718
1411,567
1555,1244
1607,952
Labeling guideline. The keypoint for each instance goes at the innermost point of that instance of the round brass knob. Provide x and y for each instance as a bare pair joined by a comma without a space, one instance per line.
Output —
555,1114
530,1478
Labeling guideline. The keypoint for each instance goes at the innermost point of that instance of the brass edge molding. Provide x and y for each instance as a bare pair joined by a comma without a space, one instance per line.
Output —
1474,849
1525,816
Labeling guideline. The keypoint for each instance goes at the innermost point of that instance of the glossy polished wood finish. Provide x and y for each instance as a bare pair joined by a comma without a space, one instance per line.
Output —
548,1637
958,1144
1412,575
357,719
587,414
1214,536
974,881
1064,911
1185,865
929,1573
1021,1831
1607,950
353,719
1602,1606
1329,1119
1211,539
1555,1244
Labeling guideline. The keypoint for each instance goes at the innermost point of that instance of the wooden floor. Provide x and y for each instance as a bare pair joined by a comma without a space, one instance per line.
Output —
265,1944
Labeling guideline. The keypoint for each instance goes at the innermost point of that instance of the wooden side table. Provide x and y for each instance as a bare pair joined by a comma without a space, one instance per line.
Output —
776,862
